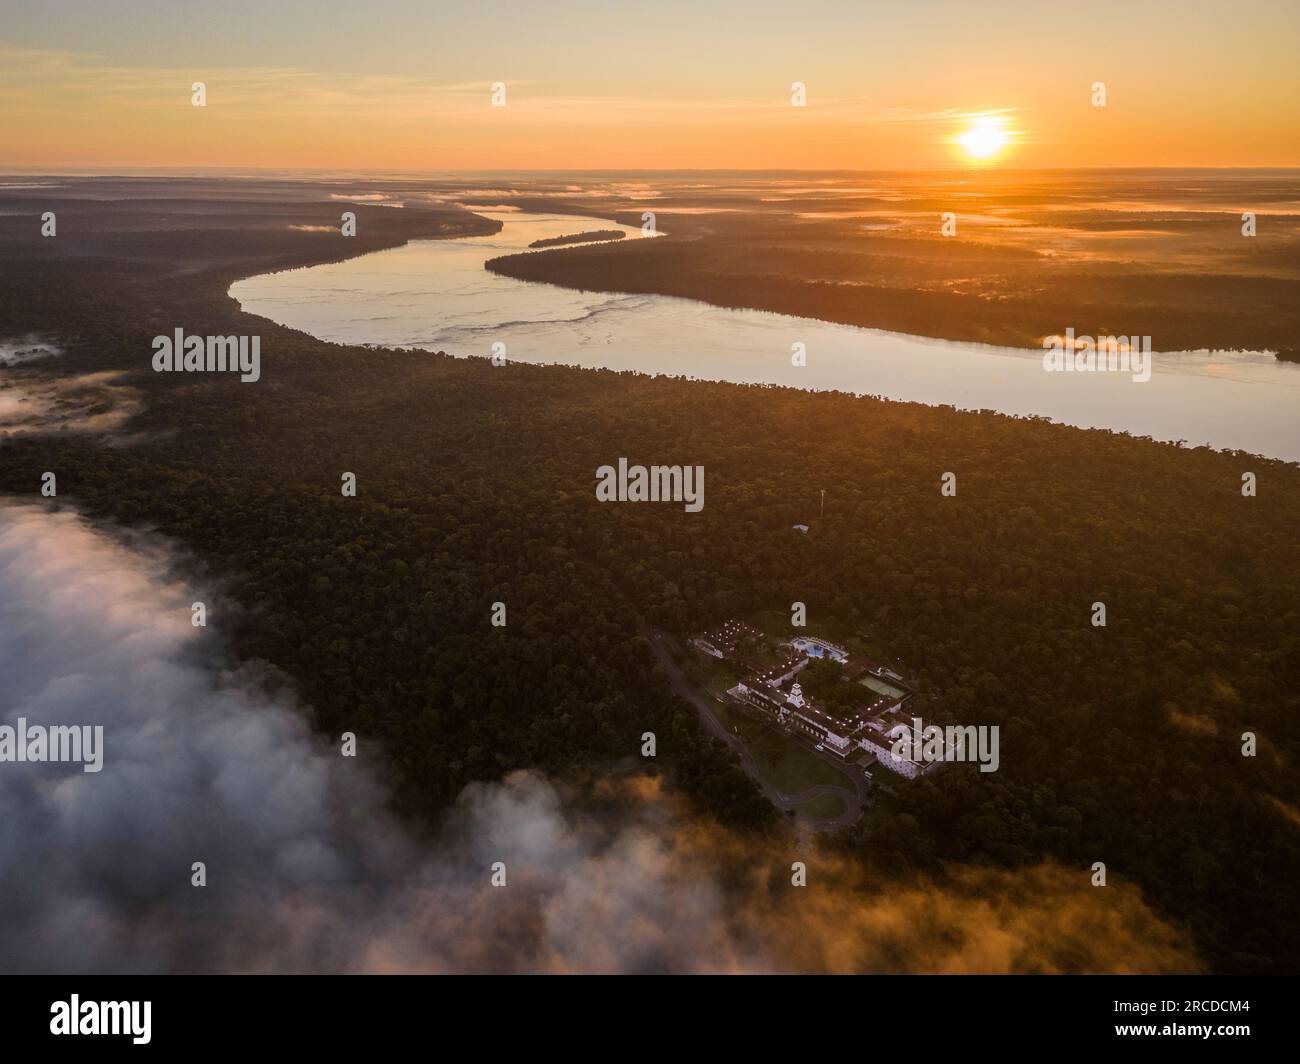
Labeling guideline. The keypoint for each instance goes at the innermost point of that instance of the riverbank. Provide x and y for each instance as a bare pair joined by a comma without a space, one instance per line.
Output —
437,296
1002,258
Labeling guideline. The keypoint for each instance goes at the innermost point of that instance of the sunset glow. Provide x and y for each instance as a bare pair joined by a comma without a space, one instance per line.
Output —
985,139
342,92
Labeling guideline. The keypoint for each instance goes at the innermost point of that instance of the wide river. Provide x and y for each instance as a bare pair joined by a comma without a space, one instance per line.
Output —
435,294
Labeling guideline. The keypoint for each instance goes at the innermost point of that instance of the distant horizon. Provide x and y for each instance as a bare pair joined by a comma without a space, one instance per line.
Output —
181,171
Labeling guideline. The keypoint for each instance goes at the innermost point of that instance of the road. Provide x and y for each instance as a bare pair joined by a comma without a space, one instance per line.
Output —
853,795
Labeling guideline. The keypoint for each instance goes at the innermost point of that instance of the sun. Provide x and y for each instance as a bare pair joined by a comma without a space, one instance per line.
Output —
985,138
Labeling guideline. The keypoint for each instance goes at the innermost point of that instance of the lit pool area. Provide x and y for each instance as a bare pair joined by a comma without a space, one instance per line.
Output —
819,648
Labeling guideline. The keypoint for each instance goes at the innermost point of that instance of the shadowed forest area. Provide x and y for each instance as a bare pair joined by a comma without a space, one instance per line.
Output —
475,484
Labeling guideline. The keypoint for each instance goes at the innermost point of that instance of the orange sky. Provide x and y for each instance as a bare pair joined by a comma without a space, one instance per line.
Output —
326,86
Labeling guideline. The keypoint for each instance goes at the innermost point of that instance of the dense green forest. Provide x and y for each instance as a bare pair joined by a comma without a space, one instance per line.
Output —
476,484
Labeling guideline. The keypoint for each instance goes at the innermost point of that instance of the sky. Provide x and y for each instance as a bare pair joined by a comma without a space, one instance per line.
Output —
707,84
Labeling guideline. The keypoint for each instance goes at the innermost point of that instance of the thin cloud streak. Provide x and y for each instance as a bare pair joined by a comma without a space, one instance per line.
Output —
37,77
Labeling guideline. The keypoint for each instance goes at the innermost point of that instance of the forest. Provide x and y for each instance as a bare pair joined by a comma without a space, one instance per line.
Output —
1120,743
578,238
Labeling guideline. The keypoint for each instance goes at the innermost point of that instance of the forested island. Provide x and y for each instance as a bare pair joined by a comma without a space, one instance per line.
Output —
475,485
578,238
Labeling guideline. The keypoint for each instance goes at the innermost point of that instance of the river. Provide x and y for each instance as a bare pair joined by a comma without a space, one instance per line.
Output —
435,294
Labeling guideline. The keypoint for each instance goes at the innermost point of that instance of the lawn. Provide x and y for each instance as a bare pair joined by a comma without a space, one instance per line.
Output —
823,807
785,764
718,677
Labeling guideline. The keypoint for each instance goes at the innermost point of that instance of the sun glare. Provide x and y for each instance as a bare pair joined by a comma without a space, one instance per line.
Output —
985,138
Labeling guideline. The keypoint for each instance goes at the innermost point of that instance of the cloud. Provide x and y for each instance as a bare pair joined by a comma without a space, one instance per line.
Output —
37,404
307,871
76,82
1288,811
1192,723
